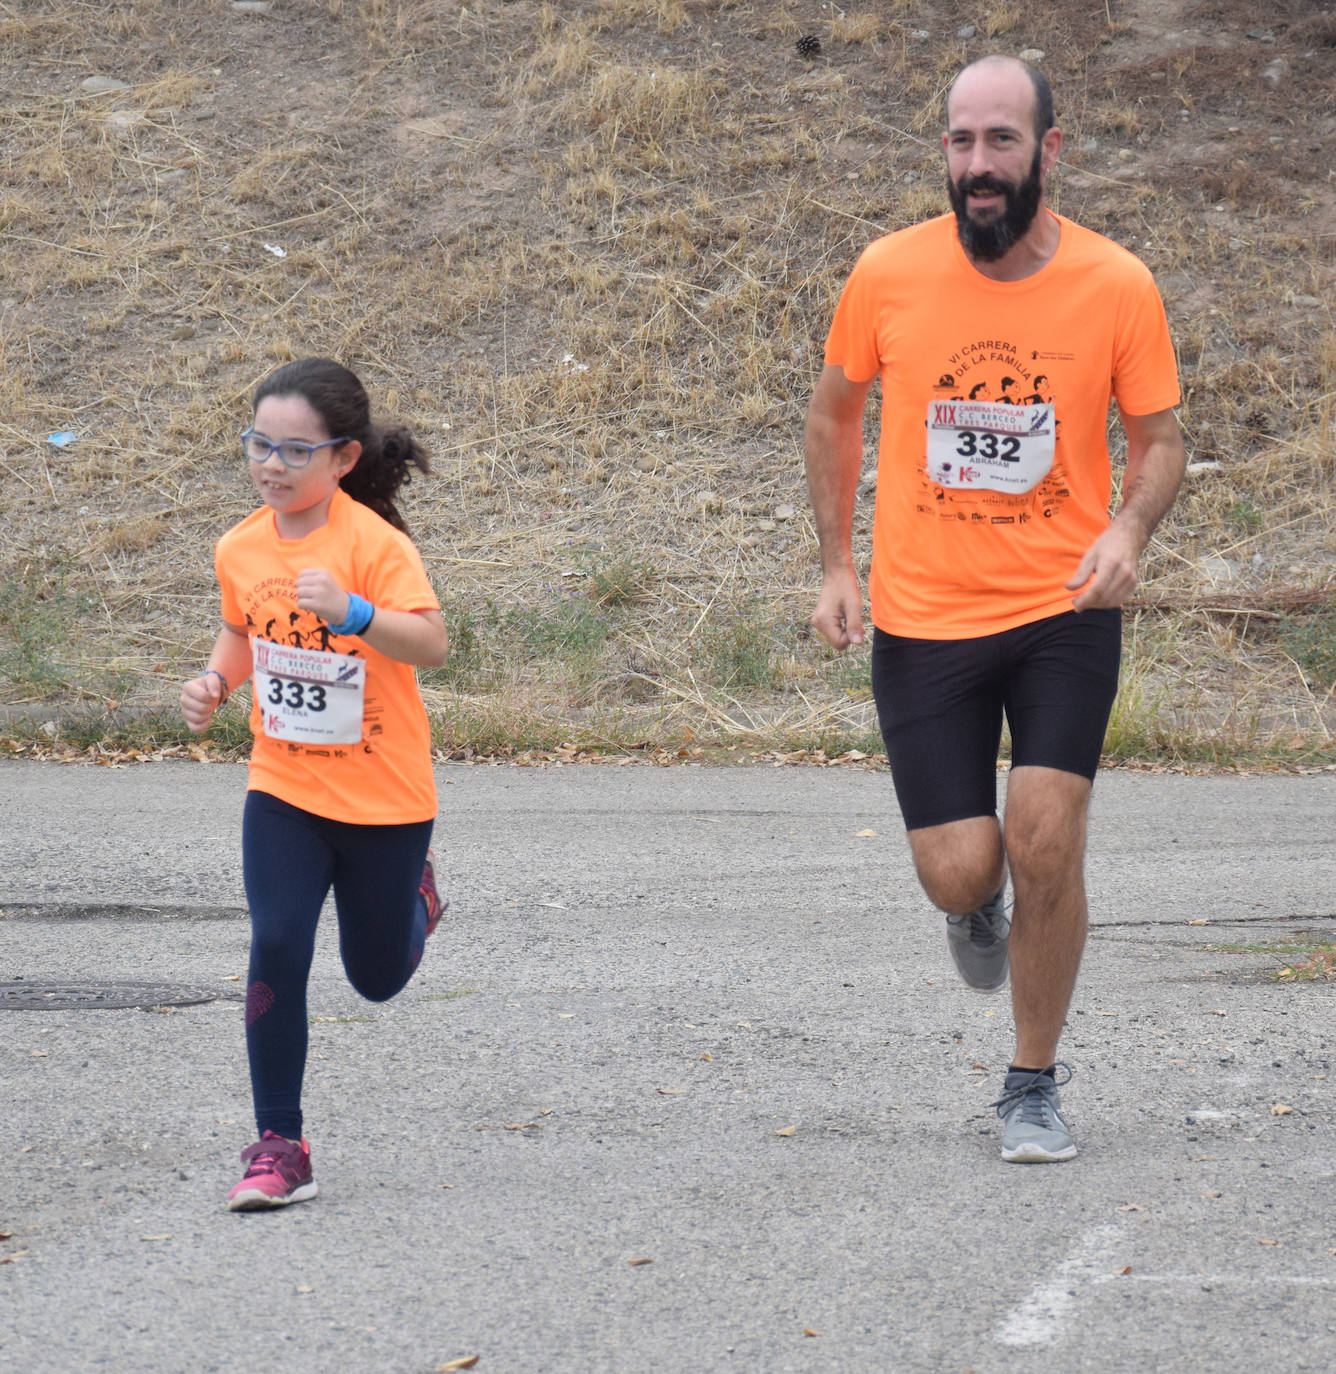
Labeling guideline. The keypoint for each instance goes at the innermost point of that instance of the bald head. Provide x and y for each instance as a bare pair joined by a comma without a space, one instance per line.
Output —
995,68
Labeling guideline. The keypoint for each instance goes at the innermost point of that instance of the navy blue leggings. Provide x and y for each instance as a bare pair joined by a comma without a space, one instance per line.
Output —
291,858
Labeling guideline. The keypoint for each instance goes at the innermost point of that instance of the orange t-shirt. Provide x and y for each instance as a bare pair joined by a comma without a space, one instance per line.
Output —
993,474
385,777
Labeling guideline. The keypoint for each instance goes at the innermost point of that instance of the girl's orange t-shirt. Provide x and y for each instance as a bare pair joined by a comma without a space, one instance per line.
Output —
386,777
955,562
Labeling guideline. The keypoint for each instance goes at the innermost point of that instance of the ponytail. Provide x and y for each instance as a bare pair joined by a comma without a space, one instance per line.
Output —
387,463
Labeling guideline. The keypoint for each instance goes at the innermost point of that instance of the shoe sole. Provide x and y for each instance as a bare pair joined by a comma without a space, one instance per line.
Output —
1031,1153
253,1200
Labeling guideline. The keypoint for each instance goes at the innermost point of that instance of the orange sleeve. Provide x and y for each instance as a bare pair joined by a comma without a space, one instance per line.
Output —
852,341
391,574
232,612
1145,370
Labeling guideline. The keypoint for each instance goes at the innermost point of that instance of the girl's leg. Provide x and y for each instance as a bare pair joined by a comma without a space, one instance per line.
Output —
382,915
288,866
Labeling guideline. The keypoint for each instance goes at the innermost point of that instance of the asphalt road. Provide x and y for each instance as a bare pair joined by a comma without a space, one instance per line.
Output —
647,977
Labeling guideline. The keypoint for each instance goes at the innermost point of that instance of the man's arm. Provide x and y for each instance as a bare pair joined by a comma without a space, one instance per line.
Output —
1155,463
834,446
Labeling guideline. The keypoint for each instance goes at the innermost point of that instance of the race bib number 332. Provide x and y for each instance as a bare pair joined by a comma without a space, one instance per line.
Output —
990,445
308,697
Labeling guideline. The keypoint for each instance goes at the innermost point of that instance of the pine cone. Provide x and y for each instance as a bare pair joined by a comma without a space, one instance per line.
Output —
809,45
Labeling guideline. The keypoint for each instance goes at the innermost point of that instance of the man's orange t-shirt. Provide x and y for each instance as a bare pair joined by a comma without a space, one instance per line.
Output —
983,382
385,778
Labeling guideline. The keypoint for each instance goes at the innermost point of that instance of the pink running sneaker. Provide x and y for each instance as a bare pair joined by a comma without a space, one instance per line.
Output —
436,904
279,1173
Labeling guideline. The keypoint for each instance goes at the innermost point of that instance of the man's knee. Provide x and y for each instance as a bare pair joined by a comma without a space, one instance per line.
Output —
1046,824
960,864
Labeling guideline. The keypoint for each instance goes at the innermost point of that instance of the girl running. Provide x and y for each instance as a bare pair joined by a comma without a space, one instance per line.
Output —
326,603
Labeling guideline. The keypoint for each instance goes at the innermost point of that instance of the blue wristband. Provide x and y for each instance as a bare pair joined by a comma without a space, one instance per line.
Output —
360,612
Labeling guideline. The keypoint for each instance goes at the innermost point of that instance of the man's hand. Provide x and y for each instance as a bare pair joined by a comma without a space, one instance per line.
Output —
833,444
1107,575
1155,462
839,610
319,593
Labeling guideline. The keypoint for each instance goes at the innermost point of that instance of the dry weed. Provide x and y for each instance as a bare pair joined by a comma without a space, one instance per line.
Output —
589,252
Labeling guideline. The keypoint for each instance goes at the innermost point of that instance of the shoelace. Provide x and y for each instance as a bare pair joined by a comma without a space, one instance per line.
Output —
1033,1095
263,1159
982,930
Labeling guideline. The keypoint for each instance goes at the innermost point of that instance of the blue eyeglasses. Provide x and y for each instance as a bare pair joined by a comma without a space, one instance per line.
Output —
291,453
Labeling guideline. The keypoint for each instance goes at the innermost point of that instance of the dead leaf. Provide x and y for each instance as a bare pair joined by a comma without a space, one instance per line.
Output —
1268,1242
464,1362
305,1288
671,1092
1197,923
708,1057
786,1130
1217,1011
166,1237
639,1259
14,1258
1131,1207
1280,1109
865,834
231,978
1127,1270
522,1126
1215,1192
40,1054
808,1331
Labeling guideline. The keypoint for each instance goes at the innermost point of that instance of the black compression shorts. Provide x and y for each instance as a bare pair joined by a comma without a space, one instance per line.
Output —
940,703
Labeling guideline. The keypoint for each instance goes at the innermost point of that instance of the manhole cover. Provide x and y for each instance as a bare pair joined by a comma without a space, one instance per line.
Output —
23,995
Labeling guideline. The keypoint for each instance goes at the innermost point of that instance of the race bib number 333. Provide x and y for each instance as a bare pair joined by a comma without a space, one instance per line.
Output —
990,445
308,697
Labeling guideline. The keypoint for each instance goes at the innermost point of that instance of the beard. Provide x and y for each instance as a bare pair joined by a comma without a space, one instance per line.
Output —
987,240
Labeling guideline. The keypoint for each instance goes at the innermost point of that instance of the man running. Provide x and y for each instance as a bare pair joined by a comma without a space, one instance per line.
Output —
997,575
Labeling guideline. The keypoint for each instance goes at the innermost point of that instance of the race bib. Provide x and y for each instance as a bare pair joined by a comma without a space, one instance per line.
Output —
985,444
308,697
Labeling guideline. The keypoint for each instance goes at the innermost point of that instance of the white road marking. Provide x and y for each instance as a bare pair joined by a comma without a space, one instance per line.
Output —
1040,1318
1214,1280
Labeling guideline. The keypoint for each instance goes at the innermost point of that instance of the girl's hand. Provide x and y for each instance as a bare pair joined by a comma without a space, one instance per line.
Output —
318,592
200,698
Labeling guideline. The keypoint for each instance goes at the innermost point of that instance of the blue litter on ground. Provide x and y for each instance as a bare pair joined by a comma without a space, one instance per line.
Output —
62,438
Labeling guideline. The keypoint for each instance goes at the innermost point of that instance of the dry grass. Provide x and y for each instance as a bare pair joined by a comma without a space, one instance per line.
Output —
590,252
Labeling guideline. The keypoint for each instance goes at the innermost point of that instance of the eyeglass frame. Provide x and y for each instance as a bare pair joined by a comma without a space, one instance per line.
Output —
308,449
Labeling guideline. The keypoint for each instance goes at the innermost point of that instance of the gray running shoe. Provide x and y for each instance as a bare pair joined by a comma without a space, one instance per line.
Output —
1034,1131
978,944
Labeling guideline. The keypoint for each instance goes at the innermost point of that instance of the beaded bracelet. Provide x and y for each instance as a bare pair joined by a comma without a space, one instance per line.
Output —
227,690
